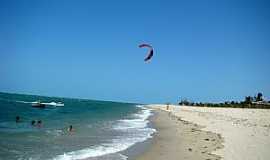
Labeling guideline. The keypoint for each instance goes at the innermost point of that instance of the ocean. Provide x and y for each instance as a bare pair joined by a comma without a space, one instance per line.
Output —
102,129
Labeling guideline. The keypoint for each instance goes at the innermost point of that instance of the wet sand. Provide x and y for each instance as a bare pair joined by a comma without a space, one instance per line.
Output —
178,139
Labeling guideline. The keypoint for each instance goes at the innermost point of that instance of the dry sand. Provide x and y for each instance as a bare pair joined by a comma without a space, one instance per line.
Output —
246,134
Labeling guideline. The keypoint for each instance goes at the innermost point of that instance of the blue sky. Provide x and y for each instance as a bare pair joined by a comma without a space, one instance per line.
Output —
204,50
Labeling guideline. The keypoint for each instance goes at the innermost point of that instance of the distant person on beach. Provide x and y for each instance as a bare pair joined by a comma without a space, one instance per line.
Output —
17,119
39,124
33,123
168,106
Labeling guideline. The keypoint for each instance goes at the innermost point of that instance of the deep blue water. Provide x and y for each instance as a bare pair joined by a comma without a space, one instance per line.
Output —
101,129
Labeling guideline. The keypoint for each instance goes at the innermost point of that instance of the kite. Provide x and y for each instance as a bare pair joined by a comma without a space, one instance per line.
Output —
151,52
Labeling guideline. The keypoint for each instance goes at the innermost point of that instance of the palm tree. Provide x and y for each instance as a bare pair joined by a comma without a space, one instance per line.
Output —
259,97
248,100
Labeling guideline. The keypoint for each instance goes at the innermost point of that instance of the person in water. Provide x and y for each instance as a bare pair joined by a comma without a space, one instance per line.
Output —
39,123
33,123
70,128
17,119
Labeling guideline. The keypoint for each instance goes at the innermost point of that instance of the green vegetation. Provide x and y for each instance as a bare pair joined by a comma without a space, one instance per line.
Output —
249,102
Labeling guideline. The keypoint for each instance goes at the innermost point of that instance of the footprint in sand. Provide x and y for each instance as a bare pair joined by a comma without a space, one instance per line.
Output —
193,129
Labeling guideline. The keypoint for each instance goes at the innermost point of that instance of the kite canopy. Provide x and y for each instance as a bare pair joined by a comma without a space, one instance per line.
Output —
151,52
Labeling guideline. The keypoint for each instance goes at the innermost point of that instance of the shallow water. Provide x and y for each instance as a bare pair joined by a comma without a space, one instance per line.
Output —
102,129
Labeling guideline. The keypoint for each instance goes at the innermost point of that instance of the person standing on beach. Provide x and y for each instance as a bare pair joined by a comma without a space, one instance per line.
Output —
167,107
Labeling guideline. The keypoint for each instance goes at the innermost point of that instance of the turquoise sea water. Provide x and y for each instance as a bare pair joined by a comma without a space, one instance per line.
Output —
101,129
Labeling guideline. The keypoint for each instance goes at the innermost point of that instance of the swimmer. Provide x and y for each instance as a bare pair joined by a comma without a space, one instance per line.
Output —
17,119
39,124
33,123
70,128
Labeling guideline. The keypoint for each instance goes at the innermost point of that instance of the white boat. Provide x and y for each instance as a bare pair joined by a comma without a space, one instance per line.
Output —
57,104
38,104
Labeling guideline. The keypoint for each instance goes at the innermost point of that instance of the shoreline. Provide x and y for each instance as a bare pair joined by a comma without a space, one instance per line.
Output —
139,148
176,138
238,133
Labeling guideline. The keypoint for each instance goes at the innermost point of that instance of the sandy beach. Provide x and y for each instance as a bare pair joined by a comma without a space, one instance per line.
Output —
209,133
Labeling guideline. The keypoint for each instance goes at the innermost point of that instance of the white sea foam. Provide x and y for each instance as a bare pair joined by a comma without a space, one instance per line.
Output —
57,132
58,104
135,130
130,124
140,121
106,148
24,102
